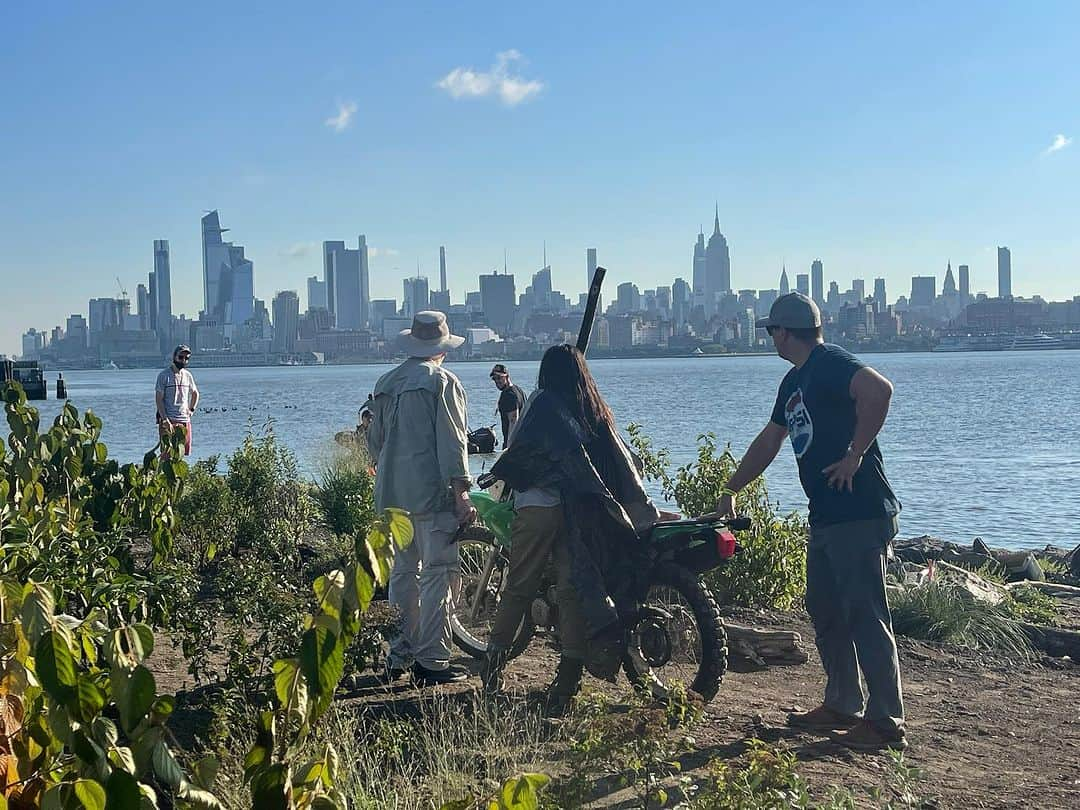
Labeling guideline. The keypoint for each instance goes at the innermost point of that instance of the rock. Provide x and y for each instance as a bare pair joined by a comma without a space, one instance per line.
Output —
759,648
979,587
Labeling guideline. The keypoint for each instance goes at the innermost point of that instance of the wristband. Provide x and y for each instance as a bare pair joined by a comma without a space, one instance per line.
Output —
729,492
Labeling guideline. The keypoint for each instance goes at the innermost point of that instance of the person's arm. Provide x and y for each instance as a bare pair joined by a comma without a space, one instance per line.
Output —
194,395
872,394
159,402
375,435
759,455
451,446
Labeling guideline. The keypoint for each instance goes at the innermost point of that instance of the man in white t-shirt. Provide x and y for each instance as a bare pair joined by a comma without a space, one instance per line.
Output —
176,396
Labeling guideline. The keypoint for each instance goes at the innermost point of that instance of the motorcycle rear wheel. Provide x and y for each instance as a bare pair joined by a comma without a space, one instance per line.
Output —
471,631
694,639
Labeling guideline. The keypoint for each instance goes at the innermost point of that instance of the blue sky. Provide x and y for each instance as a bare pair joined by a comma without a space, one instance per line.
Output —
886,142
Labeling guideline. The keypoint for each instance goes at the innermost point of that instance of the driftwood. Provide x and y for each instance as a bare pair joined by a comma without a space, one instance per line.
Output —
1054,641
1051,588
754,648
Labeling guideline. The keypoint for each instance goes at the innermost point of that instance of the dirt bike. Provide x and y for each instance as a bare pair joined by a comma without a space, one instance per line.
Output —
676,632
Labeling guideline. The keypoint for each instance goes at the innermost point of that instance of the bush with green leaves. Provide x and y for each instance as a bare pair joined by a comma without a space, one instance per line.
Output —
770,568
82,543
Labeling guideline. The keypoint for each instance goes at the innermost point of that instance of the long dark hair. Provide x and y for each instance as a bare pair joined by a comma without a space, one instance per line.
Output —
564,374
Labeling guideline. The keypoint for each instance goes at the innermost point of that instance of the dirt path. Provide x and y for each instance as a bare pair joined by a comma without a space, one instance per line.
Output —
986,731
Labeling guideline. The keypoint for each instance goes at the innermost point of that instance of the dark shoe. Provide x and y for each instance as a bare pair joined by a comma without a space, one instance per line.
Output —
868,737
560,694
422,676
823,719
491,671
388,674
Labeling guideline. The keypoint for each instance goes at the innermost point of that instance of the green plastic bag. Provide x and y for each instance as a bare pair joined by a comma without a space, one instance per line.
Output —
496,515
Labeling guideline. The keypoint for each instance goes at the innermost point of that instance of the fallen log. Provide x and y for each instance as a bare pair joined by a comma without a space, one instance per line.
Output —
1051,588
755,648
1053,641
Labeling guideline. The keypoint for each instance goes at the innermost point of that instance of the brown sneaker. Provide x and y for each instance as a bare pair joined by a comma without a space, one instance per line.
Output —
868,737
823,719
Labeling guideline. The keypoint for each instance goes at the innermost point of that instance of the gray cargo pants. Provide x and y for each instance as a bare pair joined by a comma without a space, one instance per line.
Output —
845,597
420,587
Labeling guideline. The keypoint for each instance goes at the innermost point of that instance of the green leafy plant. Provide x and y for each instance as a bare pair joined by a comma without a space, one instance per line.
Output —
770,568
1032,605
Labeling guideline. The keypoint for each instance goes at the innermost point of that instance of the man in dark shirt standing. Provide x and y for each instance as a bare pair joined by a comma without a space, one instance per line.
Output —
832,406
511,400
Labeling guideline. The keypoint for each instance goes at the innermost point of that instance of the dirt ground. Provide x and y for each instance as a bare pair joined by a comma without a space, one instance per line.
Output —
986,731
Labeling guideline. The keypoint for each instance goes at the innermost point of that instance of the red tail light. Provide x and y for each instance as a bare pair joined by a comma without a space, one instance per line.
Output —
725,544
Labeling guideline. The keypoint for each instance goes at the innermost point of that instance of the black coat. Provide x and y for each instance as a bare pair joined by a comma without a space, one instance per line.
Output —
604,503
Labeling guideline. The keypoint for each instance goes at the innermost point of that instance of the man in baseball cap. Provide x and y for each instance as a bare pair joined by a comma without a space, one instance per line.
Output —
511,399
176,397
832,407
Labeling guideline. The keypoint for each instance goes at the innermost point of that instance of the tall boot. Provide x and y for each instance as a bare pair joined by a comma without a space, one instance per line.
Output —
567,683
491,670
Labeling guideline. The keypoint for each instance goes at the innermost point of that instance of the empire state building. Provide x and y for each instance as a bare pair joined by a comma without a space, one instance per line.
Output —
717,264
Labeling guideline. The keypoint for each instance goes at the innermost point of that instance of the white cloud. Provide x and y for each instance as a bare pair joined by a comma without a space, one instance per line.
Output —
300,250
345,112
1060,142
512,89
373,252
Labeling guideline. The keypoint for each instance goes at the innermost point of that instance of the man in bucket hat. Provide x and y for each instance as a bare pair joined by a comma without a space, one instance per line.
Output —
418,440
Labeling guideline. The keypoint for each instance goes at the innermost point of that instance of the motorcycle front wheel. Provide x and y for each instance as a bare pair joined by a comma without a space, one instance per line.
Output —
477,593
680,635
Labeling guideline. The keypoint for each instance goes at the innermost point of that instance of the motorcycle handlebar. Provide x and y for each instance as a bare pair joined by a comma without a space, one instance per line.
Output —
739,524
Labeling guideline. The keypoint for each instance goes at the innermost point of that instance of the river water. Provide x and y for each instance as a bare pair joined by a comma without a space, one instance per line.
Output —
976,444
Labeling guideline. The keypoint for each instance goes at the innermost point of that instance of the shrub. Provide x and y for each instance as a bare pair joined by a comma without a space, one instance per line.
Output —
1032,605
770,569
938,611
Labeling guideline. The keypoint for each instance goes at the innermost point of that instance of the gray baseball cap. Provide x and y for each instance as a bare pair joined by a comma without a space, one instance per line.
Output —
792,311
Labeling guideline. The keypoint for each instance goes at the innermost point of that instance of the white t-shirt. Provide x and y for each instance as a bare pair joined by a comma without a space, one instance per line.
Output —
176,389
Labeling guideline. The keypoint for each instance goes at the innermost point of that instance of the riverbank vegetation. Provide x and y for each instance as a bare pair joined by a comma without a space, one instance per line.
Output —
262,587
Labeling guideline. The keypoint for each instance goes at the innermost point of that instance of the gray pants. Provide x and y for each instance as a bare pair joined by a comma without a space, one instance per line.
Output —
845,596
420,587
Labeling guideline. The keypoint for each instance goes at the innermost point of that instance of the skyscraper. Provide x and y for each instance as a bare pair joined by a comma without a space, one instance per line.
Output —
700,273
817,282
417,296
717,262
879,293
802,283
365,284
286,308
628,298
228,276
858,287
923,291
161,296
442,269
680,302
343,270
590,266
142,306
498,299
316,293
949,286
1004,273
965,283
785,287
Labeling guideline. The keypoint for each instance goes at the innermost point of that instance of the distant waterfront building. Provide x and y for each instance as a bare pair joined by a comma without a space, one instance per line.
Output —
833,302
923,291
417,297
365,283
142,307
33,342
381,309
879,293
440,300
817,282
590,267
343,271
949,285
765,300
858,288
541,287
161,311
473,302
785,287
717,263
965,284
498,301
700,275
228,276
1004,272
105,314
628,298
75,330
316,293
681,302
286,306
442,270
802,283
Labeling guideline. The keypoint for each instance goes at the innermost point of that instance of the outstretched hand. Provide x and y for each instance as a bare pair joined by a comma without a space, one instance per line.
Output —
841,474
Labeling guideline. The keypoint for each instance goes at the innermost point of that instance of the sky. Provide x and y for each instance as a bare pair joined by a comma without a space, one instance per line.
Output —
885,141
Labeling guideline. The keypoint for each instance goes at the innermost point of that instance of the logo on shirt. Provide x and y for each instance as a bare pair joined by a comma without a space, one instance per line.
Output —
800,426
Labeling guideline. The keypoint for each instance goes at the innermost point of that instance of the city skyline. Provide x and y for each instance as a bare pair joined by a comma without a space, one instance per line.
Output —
876,145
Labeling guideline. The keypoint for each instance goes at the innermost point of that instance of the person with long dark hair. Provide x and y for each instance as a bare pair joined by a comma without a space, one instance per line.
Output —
579,497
